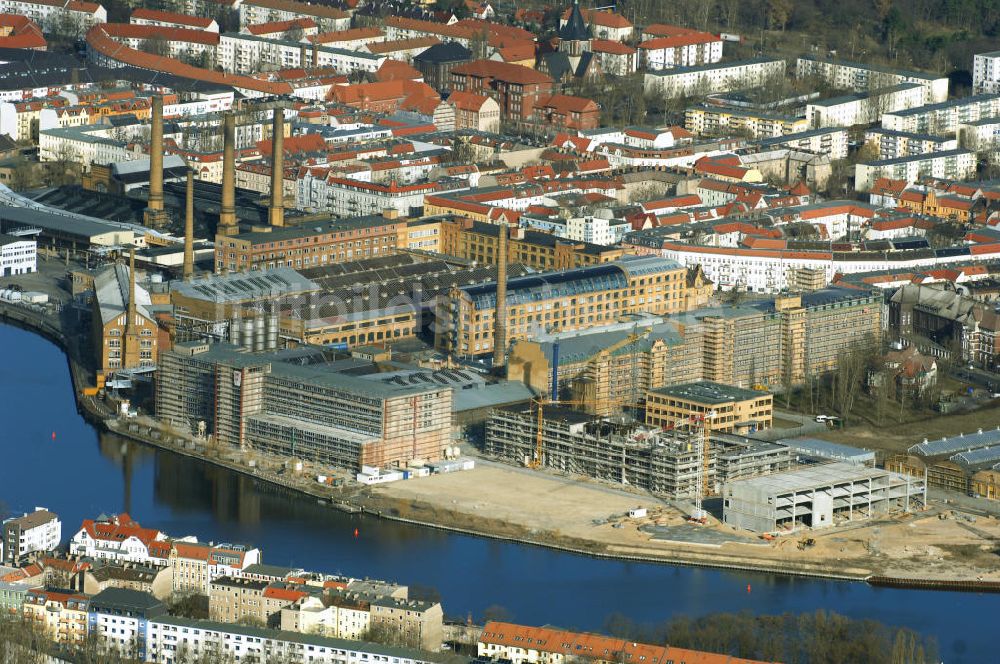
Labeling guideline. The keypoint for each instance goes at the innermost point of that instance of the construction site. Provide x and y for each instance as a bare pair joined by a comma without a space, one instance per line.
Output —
680,462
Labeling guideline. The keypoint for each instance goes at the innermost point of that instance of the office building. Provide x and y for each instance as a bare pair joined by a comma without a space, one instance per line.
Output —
715,406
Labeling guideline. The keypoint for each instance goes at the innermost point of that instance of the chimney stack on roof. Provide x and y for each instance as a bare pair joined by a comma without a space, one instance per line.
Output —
227,213
189,228
276,212
500,315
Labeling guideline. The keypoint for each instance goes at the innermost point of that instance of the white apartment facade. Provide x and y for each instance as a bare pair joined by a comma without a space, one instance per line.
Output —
680,51
84,145
860,77
328,19
711,78
864,107
894,144
986,73
245,54
18,255
52,14
35,532
944,118
170,639
950,165
831,141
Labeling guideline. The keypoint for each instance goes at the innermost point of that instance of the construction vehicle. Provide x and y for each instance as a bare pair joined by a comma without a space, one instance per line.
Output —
807,543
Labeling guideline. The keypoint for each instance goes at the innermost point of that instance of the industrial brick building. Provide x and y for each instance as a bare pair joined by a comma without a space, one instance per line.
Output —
613,364
819,496
721,407
557,301
258,401
308,245
479,241
125,334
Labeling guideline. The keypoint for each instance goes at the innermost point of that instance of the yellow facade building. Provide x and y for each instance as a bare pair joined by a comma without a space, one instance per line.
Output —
721,407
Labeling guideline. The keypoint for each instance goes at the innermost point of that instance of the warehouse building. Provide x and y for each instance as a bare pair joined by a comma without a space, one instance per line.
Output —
722,407
669,463
310,411
966,463
819,496
816,448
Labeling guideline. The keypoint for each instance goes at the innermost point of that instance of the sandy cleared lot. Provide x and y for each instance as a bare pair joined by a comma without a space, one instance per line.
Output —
581,514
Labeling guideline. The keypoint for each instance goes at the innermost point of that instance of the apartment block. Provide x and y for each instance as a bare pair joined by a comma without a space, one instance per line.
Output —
62,616
947,165
986,73
22,536
572,299
719,407
248,602
943,119
831,141
725,121
864,107
860,77
515,88
119,619
894,144
710,78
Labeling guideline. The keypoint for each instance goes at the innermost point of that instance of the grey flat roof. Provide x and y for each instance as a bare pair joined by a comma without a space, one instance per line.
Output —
731,64
920,157
825,448
807,477
706,391
960,443
63,223
243,286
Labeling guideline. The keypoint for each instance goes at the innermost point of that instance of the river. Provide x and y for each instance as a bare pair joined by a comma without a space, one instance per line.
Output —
79,474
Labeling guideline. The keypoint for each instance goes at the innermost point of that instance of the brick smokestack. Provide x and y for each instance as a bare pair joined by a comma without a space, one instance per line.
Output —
189,228
500,315
276,212
227,213
155,201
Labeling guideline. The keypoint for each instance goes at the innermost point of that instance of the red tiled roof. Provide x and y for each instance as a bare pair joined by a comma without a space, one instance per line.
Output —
392,70
610,46
582,645
136,31
467,101
569,104
380,48
171,17
604,19
303,8
303,23
347,35
677,40
502,71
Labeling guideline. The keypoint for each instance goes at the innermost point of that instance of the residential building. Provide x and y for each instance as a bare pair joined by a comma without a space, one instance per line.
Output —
572,299
146,578
516,89
413,622
475,111
894,144
713,77
247,602
519,644
726,121
716,406
18,255
819,496
861,77
614,57
830,141
436,63
195,565
943,119
171,637
119,618
986,73
36,532
62,616
116,538
864,107
166,19
602,24
327,18
52,16
946,165
567,112
685,49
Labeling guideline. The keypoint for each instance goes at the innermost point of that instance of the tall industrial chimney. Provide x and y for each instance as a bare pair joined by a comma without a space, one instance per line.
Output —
276,212
227,213
500,315
189,228
130,323
154,215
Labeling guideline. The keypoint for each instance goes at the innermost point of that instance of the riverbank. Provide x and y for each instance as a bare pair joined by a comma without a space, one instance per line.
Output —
560,513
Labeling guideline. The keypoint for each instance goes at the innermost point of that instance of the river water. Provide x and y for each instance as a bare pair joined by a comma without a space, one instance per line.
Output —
80,474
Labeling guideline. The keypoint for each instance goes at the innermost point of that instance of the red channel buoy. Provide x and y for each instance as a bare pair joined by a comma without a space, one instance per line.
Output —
355,533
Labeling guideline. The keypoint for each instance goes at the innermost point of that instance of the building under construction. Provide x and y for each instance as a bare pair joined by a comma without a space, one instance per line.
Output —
673,463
